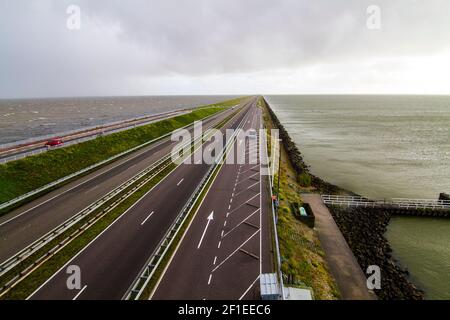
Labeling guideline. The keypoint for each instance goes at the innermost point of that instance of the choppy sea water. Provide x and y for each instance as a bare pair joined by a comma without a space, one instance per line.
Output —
22,119
383,147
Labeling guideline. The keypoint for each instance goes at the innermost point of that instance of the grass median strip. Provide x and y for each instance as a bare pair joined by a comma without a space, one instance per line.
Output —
179,235
37,273
25,175
27,286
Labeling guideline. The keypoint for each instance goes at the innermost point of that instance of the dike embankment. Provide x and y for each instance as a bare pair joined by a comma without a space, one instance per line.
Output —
363,228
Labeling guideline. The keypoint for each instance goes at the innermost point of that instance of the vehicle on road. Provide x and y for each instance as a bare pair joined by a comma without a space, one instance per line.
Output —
54,142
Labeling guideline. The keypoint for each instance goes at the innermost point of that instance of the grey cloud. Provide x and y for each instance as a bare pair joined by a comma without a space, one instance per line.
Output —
125,47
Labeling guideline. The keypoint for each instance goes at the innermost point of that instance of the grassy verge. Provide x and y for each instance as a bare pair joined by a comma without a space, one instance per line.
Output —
302,258
27,286
24,175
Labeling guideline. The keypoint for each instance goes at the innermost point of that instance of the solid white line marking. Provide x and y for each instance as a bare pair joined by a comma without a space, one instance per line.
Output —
241,223
180,182
209,280
145,220
253,283
210,217
223,261
248,188
80,292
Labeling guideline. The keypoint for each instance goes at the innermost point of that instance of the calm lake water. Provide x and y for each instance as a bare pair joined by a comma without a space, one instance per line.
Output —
383,147
21,119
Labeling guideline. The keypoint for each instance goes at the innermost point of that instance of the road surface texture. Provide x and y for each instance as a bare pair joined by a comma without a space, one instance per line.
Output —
228,244
343,264
23,226
112,261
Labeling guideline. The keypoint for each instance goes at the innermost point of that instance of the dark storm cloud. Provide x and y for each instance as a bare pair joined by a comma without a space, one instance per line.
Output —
141,46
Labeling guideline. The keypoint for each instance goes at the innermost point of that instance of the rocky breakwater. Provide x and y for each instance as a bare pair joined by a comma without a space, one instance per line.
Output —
363,229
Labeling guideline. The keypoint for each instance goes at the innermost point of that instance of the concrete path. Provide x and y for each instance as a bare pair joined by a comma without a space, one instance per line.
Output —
341,261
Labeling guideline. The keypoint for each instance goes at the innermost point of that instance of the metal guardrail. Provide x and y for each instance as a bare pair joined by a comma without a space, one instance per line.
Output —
61,244
89,131
35,246
400,203
145,275
38,244
87,169
274,220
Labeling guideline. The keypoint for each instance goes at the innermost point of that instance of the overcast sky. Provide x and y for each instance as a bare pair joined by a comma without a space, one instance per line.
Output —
143,47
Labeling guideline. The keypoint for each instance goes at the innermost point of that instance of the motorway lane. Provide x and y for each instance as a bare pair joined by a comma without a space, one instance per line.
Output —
28,223
110,264
234,250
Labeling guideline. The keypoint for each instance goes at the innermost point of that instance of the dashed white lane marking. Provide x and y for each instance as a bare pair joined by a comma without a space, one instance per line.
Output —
246,291
80,292
145,220
225,223
229,206
222,234
218,246
180,182
231,200
209,280
215,260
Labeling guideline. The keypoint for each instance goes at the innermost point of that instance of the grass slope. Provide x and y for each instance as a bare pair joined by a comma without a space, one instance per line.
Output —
24,175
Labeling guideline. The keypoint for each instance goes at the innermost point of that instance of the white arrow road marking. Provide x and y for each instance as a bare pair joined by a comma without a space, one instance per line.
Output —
210,217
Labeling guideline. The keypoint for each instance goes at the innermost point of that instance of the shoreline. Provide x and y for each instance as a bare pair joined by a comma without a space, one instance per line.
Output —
364,235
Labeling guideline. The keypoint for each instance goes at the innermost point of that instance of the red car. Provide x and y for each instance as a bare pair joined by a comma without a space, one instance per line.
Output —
54,142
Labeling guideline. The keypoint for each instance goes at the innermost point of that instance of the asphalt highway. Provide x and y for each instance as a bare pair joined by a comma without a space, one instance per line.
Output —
111,262
23,226
228,244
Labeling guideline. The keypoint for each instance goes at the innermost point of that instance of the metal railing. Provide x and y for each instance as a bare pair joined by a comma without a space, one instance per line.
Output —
138,286
159,165
274,220
87,169
395,203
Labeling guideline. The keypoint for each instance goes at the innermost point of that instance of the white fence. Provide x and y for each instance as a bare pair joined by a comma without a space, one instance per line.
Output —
400,203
